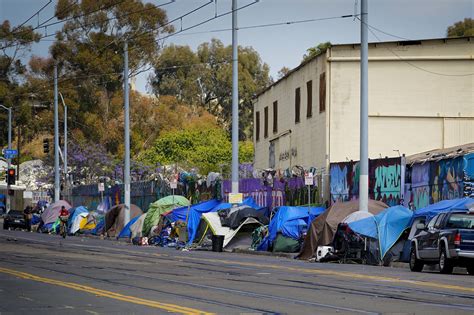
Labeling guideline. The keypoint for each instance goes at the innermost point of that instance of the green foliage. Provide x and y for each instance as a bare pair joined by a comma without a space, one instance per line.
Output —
207,149
204,78
316,51
461,28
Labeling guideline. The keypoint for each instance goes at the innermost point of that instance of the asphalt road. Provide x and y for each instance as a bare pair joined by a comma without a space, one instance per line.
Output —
44,274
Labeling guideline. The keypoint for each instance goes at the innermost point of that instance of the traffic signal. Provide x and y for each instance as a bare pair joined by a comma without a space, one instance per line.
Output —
46,146
11,176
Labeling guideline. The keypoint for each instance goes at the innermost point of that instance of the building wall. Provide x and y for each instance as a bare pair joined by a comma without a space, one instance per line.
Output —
302,143
415,105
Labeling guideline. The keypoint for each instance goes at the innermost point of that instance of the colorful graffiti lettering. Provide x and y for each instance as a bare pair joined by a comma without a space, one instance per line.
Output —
385,180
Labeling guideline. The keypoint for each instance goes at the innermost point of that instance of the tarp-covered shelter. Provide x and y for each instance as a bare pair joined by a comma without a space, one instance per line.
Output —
234,216
215,224
430,211
136,229
386,227
322,229
196,211
126,231
75,215
291,222
115,218
160,207
51,214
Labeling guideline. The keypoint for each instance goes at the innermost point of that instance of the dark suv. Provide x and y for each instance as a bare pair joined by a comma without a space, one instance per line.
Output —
447,240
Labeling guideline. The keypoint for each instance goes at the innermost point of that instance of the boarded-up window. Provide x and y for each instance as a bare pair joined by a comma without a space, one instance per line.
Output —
322,92
297,105
265,128
257,126
275,117
309,94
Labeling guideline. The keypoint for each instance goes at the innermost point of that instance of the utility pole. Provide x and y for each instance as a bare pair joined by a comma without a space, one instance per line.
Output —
56,136
66,179
364,110
235,102
9,109
126,173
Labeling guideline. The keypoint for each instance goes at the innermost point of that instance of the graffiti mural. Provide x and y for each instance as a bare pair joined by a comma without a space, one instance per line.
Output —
385,180
344,181
446,179
420,186
469,175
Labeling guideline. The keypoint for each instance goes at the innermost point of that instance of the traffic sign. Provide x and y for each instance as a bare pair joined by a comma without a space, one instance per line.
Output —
309,179
10,152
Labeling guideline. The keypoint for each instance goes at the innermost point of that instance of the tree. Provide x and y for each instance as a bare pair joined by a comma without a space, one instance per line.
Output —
14,43
206,148
316,51
283,72
461,28
204,78
89,50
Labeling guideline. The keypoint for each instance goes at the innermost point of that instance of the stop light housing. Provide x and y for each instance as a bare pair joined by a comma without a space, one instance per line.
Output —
45,145
11,176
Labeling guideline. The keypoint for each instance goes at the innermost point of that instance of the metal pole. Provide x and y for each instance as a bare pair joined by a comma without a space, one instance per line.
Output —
235,102
364,120
9,148
56,136
66,180
127,136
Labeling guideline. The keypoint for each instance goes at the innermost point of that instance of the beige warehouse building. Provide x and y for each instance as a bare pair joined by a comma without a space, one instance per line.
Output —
421,97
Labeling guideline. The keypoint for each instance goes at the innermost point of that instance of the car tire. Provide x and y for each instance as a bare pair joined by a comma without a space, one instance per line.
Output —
416,265
470,269
5,226
445,264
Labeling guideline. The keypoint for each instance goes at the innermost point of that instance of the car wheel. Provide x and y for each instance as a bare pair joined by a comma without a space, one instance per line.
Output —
5,226
415,264
445,264
470,269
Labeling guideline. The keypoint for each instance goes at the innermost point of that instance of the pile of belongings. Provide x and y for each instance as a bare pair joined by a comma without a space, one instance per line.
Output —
288,228
374,236
323,228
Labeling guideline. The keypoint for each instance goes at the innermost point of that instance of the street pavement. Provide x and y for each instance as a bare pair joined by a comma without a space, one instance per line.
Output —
44,274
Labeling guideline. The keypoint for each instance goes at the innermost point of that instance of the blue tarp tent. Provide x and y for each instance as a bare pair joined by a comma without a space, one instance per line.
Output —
126,232
442,206
195,212
291,222
387,226
73,213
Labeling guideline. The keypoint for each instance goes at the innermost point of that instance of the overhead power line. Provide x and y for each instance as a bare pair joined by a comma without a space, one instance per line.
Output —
370,28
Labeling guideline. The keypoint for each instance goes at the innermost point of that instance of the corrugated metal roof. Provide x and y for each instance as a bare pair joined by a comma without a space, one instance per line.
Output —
440,154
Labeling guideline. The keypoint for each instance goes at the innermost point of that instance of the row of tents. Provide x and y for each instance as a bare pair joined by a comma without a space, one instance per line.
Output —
378,236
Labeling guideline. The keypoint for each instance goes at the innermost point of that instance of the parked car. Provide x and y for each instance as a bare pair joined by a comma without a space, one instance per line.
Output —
14,219
447,240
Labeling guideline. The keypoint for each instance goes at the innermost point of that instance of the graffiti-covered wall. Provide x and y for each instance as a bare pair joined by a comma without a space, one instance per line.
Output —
385,182
434,181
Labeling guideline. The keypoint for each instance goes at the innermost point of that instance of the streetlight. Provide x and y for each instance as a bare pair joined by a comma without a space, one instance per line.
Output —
9,148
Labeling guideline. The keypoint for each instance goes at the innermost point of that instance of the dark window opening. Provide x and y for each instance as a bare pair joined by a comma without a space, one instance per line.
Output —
257,126
265,128
309,94
275,117
297,105
322,92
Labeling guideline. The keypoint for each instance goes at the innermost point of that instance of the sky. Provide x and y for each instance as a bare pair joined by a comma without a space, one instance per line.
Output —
279,46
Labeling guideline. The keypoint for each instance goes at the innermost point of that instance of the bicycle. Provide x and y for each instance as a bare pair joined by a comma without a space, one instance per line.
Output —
63,226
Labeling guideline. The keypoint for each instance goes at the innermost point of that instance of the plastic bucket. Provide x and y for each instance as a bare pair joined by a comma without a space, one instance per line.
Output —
217,243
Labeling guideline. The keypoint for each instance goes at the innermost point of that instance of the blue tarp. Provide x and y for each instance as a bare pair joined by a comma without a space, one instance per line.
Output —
291,222
126,232
99,228
442,206
73,213
387,226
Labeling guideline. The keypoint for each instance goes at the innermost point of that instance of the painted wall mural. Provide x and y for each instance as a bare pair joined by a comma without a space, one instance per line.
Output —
344,181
